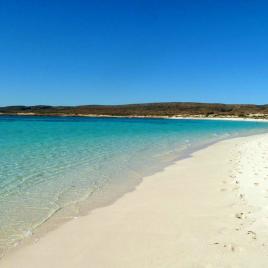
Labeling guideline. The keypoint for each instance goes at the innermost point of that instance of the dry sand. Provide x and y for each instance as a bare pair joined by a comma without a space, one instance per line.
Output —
210,210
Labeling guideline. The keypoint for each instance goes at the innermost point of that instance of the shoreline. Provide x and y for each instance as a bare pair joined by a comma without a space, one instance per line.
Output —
55,221
123,204
107,196
196,117
67,214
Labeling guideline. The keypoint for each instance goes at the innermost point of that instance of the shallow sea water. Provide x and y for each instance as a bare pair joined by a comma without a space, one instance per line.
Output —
52,164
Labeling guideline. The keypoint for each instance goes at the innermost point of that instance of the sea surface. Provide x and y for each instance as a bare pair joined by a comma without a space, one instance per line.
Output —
58,167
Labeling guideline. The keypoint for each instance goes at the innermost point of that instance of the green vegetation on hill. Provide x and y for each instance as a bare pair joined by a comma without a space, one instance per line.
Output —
150,109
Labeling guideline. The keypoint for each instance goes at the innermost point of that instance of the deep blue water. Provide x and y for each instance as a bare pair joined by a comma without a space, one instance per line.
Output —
50,163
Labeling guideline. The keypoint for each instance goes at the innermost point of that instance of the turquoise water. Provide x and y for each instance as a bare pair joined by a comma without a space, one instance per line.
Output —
48,164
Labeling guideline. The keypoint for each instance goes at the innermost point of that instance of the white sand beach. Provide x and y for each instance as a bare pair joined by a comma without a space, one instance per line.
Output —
210,210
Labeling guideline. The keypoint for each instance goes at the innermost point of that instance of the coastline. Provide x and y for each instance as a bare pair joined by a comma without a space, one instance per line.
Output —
182,117
156,224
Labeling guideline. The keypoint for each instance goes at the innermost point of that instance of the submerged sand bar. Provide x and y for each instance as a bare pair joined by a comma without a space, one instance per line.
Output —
210,210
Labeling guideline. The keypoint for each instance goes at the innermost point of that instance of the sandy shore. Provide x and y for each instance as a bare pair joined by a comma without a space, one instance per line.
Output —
210,210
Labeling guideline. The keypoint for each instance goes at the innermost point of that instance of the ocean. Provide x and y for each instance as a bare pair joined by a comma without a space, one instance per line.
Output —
55,168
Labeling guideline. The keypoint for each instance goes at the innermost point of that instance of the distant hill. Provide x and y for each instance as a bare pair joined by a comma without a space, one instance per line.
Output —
180,109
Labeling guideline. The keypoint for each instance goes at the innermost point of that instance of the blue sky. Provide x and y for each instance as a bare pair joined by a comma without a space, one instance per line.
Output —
113,52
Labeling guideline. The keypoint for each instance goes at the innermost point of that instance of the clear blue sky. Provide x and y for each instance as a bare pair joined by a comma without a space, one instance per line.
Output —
113,52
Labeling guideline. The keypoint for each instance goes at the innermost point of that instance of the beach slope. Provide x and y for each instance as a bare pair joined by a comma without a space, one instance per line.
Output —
209,210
